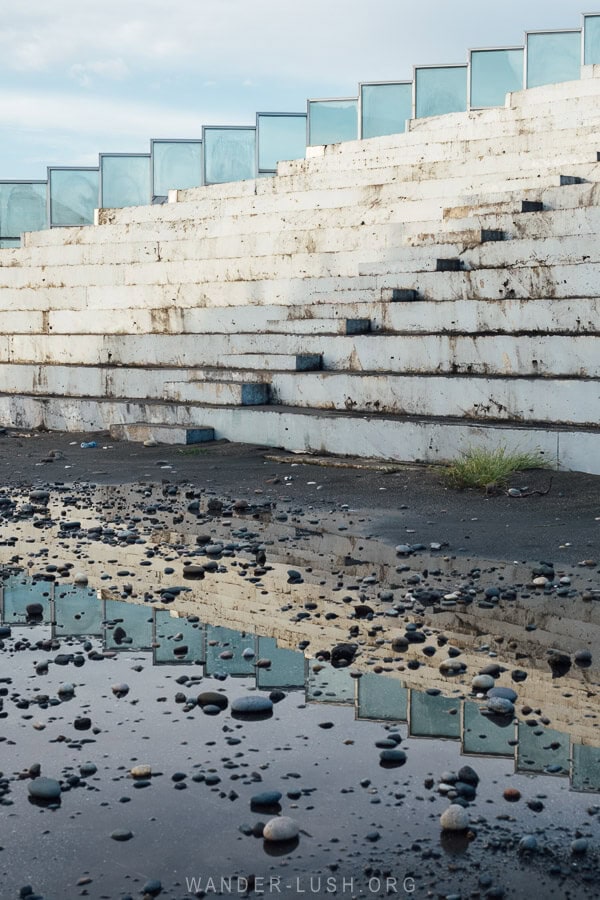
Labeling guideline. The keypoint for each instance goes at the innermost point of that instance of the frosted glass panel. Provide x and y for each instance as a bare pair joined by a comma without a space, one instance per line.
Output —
177,640
5,243
77,611
332,121
381,698
484,735
22,208
125,180
385,108
73,196
591,40
18,594
553,57
229,154
279,138
434,715
329,685
540,748
494,73
128,626
225,651
175,165
586,768
440,90
287,668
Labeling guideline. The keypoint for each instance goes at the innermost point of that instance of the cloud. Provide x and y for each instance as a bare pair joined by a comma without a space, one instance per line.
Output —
113,69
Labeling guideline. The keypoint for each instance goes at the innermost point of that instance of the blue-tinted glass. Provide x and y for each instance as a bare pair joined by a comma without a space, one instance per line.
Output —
540,748
128,626
591,40
586,768
279,138
77,611
73,196
221,640
440,90
494,74
484,735
22,208
381,698
553,57
125,180
332,121
329,685
177,640
229,154
287,668
385,108
175,165
434,715
5,243
18,594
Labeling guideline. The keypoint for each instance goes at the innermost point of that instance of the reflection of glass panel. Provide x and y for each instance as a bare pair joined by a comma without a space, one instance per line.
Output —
22,208
381,698
77,611
385,108
484,735
5,243
175,165
586,768
128,626
125,180
591,40
18,593
279,138
287,666
221,640
173,635
329,685
440,90
332,121
229,154
553,57
494,74
73,196
434,715
541,747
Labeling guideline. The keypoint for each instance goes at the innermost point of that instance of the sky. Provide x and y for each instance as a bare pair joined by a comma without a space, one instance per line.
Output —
79,77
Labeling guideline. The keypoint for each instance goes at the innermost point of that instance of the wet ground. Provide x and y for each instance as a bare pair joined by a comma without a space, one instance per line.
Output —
359,604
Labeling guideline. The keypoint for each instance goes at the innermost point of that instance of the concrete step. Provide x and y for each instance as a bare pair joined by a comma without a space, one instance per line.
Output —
220,392
396,438
161,434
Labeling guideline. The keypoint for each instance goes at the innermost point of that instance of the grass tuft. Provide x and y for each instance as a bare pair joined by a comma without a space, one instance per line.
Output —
491,469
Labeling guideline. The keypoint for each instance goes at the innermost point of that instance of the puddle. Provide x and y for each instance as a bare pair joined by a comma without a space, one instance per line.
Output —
144,635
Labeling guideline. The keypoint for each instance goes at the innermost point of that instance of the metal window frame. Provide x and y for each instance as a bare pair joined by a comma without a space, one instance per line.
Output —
154,141
545,31
50,169
328,100
470,76
102,156
17,237
205,129
584,16
362,84
272,115
435,66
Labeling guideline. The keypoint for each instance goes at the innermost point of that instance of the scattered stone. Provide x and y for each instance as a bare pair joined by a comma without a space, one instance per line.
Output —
455,818
282,828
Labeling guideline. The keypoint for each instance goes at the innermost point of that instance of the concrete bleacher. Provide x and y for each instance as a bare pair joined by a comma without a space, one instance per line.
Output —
401,297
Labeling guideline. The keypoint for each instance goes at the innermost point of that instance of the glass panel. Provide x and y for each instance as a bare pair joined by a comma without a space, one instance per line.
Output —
5,243
434,715
381,698
279,138
440,90
540,748
77,611
385,108
328,685
586,768
125,180
494,74
22,208
221,640
591,40
20,593
332,121
484,735
287,666
175,165
177,640
73,196
229,154
553,57
128,626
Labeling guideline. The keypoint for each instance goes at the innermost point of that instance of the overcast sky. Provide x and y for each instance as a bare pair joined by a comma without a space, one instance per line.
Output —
78,77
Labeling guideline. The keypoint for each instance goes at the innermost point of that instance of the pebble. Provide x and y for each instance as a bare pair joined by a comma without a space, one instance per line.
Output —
281,828
482,682
500,706
250,707
455,818
121,834
44,788
141,771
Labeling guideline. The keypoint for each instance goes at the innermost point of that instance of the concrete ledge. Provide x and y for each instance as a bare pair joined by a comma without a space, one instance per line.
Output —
162,434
